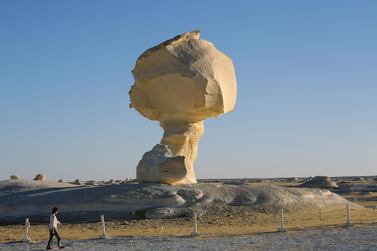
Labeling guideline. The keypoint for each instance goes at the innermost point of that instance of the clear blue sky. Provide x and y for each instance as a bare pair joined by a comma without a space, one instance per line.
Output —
306,70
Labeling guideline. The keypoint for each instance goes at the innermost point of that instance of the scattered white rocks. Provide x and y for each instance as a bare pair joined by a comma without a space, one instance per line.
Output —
8,187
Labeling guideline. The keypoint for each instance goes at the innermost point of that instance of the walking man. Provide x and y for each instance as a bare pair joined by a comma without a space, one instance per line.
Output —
53,229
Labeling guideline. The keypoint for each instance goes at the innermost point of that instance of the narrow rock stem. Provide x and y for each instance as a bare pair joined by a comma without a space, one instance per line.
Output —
182,138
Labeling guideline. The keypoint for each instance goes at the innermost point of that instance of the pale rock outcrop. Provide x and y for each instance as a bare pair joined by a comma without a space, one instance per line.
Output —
40,177
160,166
15,177
180,83
319,182
91,183
78,182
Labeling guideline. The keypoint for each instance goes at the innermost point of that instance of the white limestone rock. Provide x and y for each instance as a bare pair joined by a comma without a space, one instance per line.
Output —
319,182
180,83
152,200
160,166
40,177
78,182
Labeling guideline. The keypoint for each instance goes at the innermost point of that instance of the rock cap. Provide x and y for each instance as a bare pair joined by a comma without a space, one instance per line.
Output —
184,78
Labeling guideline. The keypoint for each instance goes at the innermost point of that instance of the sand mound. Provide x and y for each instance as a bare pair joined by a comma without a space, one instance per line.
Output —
319,182
132,201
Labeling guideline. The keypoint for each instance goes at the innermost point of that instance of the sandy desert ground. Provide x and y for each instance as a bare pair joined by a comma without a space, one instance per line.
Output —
345,239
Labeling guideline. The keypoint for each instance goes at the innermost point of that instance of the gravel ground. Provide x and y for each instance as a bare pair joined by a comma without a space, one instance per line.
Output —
355,238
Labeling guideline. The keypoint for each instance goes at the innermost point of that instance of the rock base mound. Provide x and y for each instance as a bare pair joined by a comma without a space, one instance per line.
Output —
133,201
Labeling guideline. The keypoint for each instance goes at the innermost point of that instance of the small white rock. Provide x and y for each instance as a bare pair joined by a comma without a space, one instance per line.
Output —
78,182
40,177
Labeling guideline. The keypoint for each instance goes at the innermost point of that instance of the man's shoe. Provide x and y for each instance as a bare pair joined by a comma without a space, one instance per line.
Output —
48,248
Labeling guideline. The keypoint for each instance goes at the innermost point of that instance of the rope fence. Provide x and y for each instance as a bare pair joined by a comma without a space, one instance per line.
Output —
281,221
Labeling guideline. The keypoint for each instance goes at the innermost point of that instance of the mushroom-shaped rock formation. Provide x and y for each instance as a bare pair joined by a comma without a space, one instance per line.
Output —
180,83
